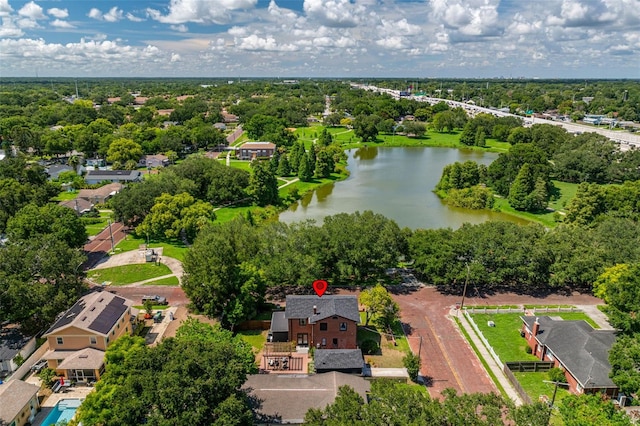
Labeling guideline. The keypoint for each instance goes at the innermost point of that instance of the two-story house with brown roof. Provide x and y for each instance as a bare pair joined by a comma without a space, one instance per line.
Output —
329,322
78,339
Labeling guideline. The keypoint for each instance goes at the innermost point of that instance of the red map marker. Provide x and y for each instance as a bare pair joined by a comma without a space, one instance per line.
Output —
320,286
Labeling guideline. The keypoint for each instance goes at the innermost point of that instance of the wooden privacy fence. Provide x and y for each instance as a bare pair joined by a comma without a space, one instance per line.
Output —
516,385
529,366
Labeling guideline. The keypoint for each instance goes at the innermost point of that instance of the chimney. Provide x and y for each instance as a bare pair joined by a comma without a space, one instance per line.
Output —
315,310
536,327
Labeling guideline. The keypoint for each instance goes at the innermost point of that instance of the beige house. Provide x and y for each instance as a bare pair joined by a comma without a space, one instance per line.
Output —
102,194
78,339
18,403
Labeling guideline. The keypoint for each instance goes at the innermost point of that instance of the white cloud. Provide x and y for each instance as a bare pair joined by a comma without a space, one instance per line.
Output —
392,43
32,11
5,8
200,11
58,13
113,15
334,13
268,43
175,57
133,18
180,28
59,23
9,28
402,27
468,17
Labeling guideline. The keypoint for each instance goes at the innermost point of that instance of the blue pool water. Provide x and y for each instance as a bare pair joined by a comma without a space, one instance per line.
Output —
64,410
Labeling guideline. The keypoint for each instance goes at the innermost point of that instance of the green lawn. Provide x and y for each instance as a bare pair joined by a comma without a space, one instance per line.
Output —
175,249
566,191
255,338
505,336
66,195
546,219
534,385
390,356
128,274
239,164
154,307
169,281
95,228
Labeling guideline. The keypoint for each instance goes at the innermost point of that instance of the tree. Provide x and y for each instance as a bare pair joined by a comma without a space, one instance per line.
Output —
284,169
480,139
123,150
520,189
620,288
305,171
230,287
324,164
173,214
263,185
365,127
580,410
379,305
60,221
412,363
624,358
414,128
192,379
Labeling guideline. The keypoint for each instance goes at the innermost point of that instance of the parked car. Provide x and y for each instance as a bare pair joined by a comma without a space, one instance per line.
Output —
38,366
155,299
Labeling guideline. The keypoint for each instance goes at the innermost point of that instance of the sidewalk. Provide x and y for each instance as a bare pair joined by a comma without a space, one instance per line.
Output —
484,353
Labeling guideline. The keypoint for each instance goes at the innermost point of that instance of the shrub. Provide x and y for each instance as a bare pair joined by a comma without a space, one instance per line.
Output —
369,347
528,350
557,375
412,364
47,375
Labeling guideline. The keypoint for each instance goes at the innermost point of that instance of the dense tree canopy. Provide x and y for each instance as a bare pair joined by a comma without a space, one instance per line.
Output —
192,379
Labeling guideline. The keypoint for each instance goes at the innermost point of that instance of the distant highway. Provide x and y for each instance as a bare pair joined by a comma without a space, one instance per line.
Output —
626,140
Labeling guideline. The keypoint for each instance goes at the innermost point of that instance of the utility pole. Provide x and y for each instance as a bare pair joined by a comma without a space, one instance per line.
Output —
553,398
111,235
466,282
420,347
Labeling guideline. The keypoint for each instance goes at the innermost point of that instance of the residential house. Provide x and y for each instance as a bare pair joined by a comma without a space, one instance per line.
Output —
328,322
54,170
151,161
13,345
18,403
79,205
286,399
95,162
348,361
78,339
229,118
576,347
253,150
100,195
97,176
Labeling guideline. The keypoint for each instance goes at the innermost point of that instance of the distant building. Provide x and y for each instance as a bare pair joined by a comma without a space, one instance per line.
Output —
95,162
13,344
54,170
78,205
253,150
157,160
97,176
100,195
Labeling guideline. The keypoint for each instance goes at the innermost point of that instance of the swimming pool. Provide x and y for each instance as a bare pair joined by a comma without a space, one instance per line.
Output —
65,409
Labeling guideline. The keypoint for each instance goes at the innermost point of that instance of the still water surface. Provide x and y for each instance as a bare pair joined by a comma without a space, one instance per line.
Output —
398,183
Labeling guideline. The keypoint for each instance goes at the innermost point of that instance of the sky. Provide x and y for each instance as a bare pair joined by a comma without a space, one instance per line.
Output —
321,38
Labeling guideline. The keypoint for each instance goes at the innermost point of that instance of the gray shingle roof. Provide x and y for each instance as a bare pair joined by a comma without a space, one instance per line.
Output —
113,174
287,398
338,359
279,323
97,311
14,395
11,342
583,350
326,306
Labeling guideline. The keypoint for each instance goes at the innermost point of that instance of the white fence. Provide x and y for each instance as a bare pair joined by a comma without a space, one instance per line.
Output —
484,340
509,310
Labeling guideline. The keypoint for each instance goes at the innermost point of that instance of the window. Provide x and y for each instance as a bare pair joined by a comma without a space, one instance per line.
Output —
93,340
323,326
324,342
302,321
335,343
59,340
303,339
343,326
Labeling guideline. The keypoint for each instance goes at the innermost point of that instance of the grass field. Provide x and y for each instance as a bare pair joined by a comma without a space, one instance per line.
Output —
96,228
505,336
566,191
255,338
174,249
128,274
390,355
169,281
66,195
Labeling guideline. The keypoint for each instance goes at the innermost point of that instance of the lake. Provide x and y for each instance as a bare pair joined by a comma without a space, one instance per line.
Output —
397,183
